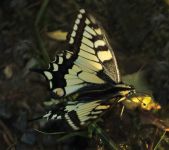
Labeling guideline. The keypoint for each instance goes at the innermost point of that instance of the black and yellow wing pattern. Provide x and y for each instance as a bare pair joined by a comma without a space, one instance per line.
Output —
89,61
74,115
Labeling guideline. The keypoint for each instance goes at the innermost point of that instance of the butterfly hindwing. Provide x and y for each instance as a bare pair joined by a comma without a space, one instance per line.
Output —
74,115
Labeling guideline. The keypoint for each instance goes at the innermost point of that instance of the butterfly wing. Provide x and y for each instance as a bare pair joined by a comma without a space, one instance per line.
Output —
88,61
74,115
88,39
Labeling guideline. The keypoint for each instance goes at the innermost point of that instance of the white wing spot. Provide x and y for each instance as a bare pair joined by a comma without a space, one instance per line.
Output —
54,116
60,60
59,117
55,67
99,43
48,75
77,21
47,115
79,16
73,34
82,11
75,27
68,55
71,40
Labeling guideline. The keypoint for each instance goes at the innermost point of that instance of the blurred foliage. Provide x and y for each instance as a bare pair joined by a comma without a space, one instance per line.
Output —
57,35
157,75
137,79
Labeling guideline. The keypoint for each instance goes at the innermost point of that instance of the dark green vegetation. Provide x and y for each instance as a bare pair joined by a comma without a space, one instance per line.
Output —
139,33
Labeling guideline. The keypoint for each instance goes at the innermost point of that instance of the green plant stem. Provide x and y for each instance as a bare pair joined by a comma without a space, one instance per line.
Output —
38,20
104,137
162,137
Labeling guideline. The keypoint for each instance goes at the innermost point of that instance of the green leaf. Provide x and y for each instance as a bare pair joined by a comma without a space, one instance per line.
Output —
138,80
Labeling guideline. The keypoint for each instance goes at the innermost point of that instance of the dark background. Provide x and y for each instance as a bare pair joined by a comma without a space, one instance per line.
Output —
139,33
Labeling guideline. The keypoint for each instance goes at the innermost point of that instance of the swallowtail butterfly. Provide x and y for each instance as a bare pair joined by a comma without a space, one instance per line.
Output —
88,67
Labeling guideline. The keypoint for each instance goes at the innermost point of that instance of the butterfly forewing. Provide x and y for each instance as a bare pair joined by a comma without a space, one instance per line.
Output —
88,61
91,41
